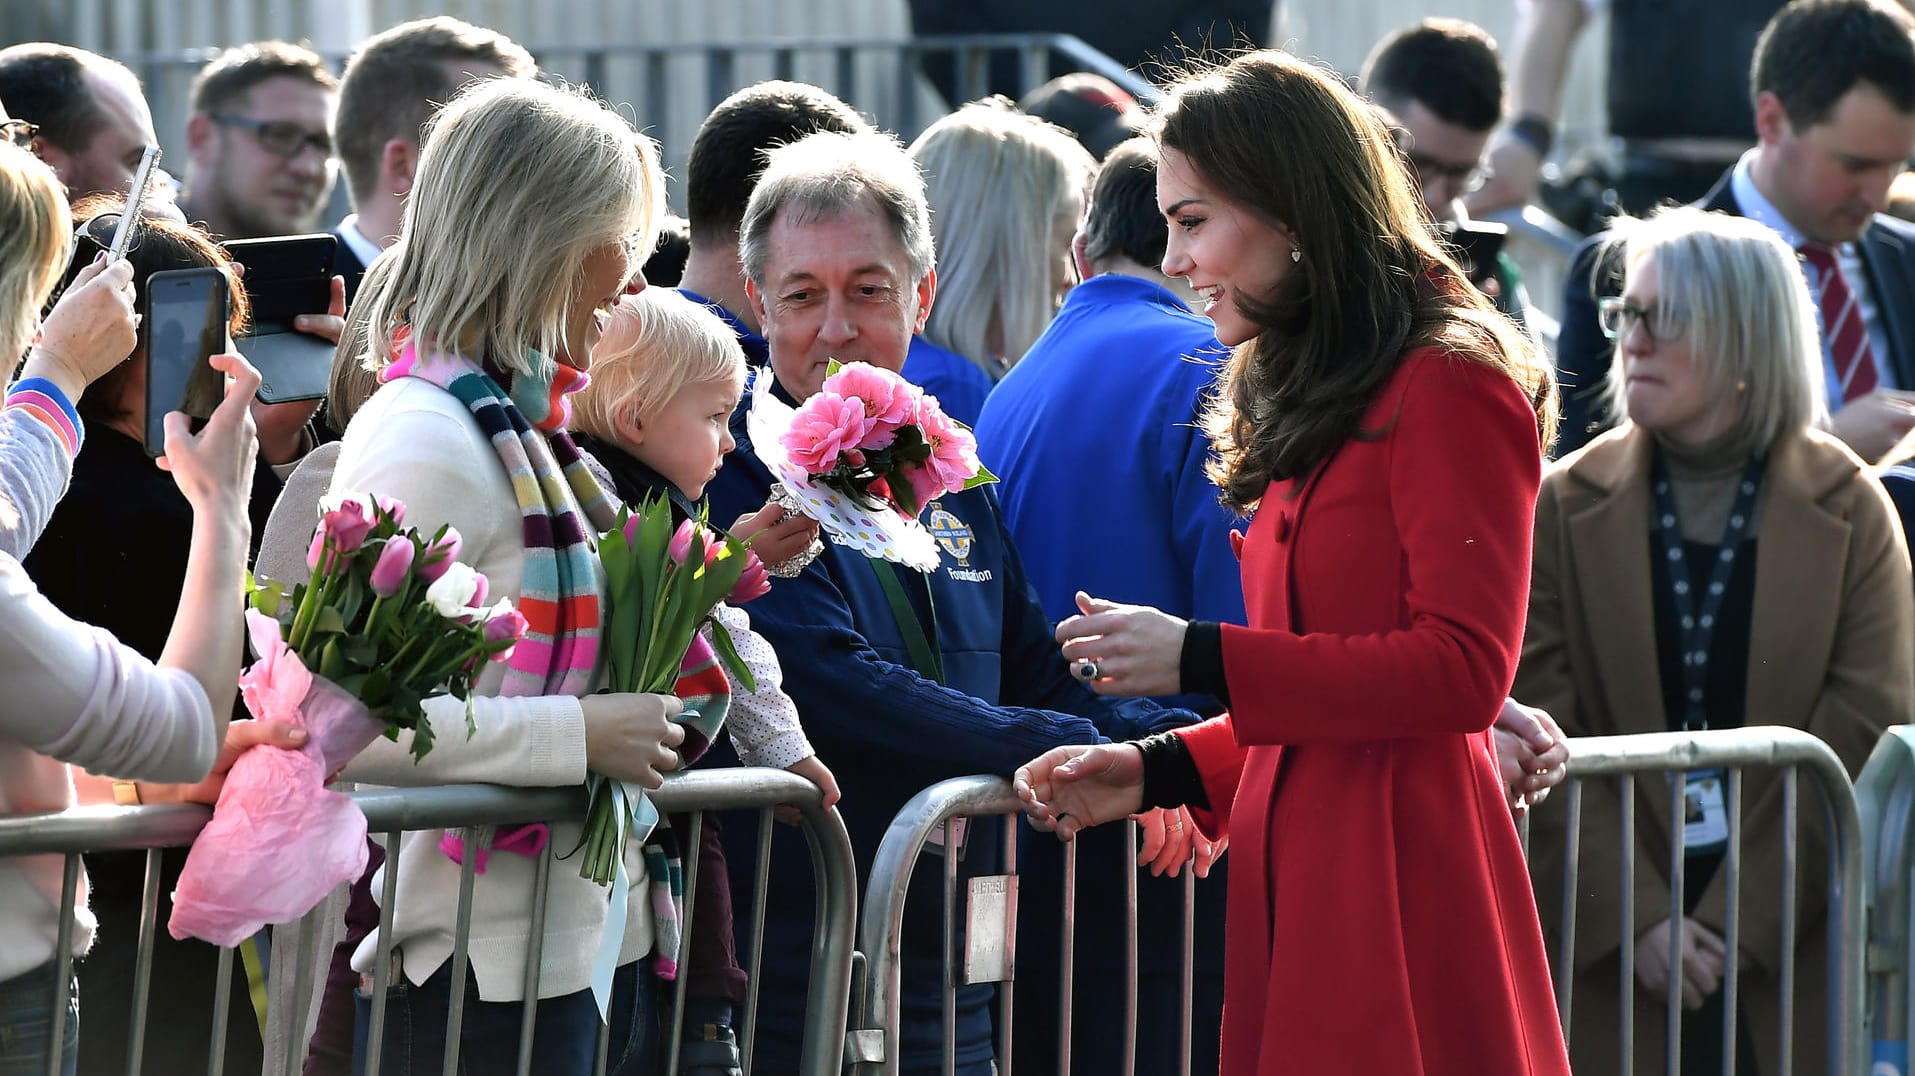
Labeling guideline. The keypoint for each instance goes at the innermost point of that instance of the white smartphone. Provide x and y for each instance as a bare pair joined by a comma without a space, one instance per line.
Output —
135,202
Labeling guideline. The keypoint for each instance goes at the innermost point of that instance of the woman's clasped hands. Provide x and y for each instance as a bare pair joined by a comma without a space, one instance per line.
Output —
1068,789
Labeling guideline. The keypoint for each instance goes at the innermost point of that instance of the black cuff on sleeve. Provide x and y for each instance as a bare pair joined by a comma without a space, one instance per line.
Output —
1201,664
1170,774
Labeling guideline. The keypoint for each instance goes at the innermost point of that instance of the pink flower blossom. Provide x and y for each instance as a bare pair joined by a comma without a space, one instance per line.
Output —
824,426
394,565
681,543
439,555
753,583
479,586
347,525
633,523
925,484
889,400
318,550
953,459
393,507
506,624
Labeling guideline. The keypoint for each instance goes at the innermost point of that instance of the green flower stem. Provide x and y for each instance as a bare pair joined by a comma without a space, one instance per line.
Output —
309,604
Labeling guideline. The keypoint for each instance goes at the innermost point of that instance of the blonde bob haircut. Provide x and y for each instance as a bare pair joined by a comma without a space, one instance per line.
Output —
33,217
654,345
518,182
1006,190
1738,291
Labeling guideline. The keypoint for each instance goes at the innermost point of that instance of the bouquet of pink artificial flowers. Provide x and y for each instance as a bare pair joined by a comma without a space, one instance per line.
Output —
386,618
878,439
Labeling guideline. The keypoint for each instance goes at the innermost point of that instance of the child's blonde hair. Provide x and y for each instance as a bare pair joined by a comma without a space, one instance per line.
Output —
653,345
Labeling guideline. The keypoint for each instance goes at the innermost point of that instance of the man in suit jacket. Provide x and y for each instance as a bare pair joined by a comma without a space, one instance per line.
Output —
393,84
1834,89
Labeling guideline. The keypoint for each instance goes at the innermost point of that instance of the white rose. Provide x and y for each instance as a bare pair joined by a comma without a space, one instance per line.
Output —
452,592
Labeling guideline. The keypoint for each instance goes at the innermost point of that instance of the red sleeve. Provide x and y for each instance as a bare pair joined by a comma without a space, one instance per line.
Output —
1219,761
1463,472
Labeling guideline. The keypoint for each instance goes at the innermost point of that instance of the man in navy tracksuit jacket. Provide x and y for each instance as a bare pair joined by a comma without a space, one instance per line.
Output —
837,251
1094,436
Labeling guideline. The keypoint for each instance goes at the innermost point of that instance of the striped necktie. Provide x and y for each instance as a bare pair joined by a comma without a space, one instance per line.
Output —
1843,334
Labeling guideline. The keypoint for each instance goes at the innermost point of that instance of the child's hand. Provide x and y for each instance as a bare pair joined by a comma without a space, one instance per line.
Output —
775,538
814,771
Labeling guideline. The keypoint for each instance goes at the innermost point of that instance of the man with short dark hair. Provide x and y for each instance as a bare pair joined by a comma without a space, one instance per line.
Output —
1115,389
94,121
1833,84
395,81
1441,82
259,142
727,157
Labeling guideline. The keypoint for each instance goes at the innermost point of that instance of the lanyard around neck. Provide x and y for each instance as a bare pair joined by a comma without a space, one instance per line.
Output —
1698,624
923,649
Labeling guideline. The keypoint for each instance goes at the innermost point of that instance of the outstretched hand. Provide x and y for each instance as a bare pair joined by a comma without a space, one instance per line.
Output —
1067,789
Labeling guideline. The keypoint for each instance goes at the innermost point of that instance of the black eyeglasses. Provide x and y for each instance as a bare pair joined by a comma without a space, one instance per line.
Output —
1468,178
19,132
277,137
1617,316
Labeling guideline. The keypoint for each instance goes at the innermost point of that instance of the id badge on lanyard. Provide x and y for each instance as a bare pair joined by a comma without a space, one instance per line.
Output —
1705,812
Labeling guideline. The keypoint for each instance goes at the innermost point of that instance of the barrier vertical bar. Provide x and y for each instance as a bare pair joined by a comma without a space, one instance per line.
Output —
1006,989
304,958
1187,989
1566,963
761,874
846,72
1068,966
603,1048
63,964
222,1005
1672,1008
950,948
1131,830
534,961
461,941
1787,963
1732,925
382,958
1628,985
690,856
783,66
143,962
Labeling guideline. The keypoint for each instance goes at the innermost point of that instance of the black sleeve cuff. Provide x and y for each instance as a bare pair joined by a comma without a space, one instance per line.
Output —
1201,664
1170,774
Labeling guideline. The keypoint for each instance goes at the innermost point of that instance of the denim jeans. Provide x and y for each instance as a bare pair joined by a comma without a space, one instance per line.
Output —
564,1042
26,1008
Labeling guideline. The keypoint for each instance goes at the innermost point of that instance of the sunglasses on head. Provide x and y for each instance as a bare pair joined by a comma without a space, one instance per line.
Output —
19,132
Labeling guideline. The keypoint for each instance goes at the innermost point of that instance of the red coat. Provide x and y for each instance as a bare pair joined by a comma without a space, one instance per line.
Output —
1380,917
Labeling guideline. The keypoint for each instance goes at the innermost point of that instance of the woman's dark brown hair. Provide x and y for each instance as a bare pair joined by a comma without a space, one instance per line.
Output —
161,243
1287,141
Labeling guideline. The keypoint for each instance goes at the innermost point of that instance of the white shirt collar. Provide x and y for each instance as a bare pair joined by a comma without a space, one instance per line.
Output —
362,248
1758,208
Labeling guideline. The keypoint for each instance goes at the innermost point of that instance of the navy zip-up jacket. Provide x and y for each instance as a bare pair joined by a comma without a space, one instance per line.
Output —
888,732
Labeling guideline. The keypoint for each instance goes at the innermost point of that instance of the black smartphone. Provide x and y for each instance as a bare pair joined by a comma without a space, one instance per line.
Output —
1476,244
185,312
287,276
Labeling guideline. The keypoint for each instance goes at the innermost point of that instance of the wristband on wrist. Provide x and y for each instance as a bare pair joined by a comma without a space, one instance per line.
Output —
1534,131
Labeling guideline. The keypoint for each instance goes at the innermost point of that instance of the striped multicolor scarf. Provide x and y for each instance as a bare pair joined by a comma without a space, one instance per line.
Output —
561,505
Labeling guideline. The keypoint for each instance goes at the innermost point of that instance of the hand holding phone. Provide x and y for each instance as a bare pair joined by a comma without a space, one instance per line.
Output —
186,313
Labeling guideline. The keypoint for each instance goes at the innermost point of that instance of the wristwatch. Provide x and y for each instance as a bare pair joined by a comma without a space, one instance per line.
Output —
126,793
1534,131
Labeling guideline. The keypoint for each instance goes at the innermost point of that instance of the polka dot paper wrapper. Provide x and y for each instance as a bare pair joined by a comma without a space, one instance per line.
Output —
875,532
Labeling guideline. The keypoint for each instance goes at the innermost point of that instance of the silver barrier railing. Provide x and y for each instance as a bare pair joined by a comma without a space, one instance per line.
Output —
873,1044
1886,794
393,811
1673,755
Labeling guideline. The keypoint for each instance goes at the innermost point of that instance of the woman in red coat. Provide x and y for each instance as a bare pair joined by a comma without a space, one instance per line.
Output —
1386,425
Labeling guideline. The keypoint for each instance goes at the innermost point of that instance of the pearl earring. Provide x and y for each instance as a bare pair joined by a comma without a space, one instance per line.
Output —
1295,255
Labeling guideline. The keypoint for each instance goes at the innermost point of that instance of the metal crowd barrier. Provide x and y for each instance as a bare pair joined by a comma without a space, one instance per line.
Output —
873,1043
392,811
1674,754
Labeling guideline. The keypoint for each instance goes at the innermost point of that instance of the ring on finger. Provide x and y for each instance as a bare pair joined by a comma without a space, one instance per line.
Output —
1086,671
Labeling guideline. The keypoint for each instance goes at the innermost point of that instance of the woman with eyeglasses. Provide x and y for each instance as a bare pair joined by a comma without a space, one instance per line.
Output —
74,693
1716,562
